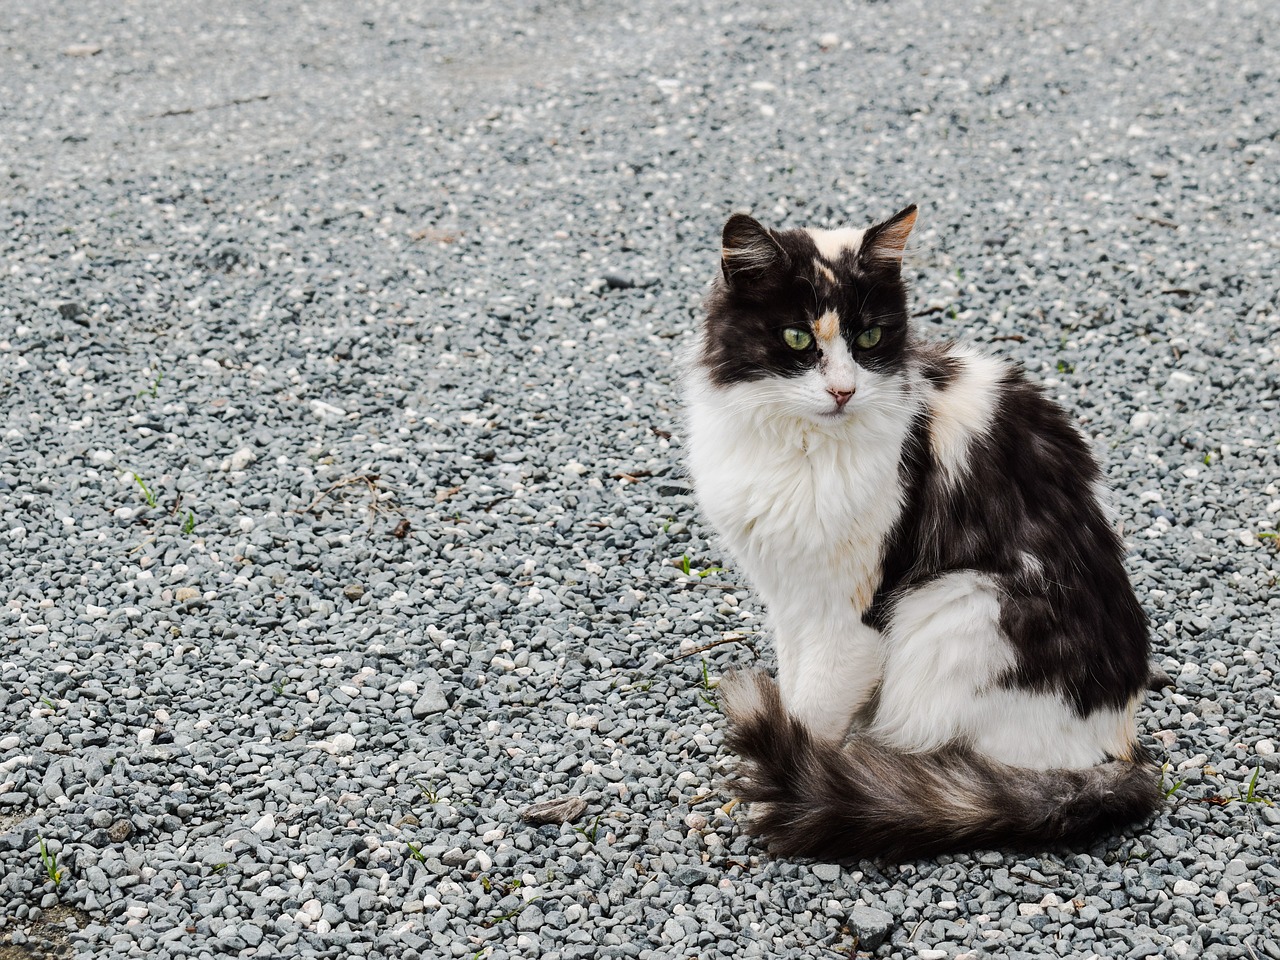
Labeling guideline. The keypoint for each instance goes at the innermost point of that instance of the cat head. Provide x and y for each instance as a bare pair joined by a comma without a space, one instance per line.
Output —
809,322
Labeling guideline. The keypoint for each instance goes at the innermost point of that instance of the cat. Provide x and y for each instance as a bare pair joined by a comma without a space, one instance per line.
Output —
928,533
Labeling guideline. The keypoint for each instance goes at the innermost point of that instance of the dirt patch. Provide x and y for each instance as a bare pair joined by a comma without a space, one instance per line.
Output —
47,938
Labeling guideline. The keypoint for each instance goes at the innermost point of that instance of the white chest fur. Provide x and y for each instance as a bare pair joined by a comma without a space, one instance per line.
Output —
805,509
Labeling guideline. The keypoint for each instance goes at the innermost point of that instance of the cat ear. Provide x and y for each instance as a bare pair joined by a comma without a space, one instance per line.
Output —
883,244
749,251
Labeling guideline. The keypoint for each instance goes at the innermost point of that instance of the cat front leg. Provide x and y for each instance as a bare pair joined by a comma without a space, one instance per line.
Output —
827,672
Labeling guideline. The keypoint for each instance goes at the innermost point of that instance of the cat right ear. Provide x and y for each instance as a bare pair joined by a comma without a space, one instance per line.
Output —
884,243
749,252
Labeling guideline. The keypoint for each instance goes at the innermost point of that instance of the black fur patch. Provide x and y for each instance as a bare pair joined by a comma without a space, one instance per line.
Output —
1075,625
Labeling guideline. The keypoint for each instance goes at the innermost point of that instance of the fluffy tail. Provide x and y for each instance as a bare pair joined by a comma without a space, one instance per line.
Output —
867,801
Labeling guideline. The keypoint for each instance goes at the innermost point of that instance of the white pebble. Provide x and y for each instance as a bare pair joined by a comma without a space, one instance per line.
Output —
1142,419
1264,748
1183,887
265,826
341,743
324,411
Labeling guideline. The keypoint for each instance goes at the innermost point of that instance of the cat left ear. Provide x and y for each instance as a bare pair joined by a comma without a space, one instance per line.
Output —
749,251
883,244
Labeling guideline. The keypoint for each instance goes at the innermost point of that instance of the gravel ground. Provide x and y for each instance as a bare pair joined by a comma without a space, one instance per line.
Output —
341,507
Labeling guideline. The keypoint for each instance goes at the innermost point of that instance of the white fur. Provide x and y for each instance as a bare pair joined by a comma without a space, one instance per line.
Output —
832,244
962,411
805,494
945,655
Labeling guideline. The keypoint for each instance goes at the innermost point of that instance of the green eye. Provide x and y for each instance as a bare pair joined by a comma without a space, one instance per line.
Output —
797,339
867,338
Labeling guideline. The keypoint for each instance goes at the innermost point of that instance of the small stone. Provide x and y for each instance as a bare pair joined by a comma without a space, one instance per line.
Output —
311,910
457,857
1264,748
120,831
265,826
559,810
353,591
183,594
871,926
1185,888
326,411
690,875
81,50
75,312
341,743
1143,948
827,872
431,701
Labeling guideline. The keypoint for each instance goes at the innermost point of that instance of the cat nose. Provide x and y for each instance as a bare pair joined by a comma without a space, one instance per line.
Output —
841,396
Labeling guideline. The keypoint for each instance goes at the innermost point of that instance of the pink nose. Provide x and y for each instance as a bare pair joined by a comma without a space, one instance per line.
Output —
841,396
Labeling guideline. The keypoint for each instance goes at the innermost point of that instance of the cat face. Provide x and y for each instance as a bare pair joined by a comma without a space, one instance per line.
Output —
811,323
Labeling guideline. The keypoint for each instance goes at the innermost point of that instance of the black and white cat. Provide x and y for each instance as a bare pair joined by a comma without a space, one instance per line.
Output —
925,528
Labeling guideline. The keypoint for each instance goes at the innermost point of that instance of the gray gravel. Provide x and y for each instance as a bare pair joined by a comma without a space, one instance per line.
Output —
379,305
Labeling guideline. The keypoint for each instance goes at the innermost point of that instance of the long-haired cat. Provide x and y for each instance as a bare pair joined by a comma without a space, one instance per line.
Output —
925,528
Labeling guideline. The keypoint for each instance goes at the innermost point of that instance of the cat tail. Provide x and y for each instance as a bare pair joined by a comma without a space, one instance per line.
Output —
817,799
